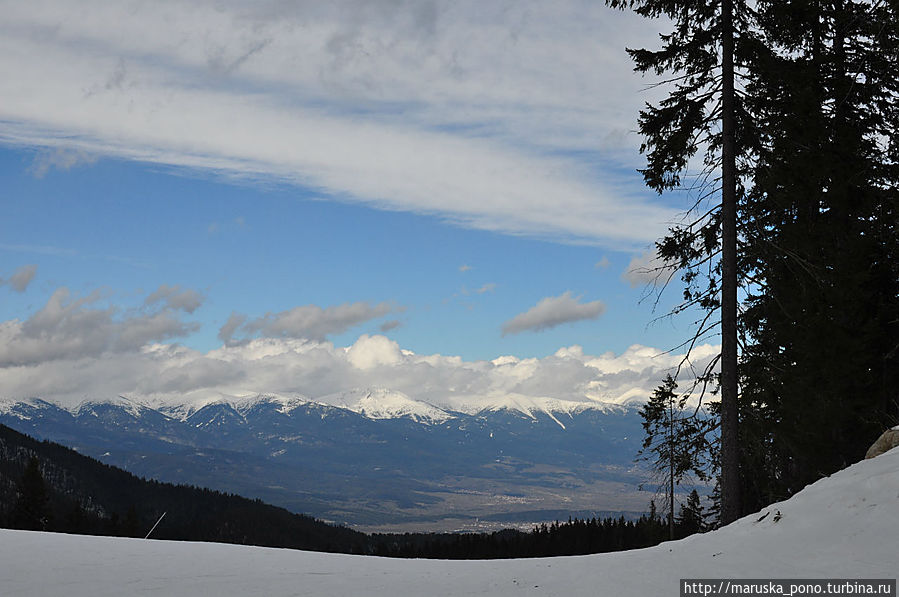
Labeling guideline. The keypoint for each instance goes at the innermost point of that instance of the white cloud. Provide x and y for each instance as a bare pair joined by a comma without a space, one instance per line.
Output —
465,268
647,269
478,112
305,322
20,280
369,352
552,311
603,263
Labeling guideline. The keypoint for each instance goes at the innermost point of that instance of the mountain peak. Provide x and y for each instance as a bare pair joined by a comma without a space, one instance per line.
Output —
283,403
381,403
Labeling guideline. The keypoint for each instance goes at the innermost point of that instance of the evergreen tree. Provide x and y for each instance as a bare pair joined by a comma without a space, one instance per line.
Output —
675,442
690,519
711,517
31,510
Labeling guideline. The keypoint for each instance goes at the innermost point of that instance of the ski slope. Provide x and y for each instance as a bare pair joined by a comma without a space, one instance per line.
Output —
844,526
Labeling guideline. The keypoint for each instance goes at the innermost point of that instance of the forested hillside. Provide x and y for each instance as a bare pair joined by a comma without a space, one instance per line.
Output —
45,486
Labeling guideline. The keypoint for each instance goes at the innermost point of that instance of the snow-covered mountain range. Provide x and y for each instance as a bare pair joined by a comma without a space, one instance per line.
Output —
367,457
372,403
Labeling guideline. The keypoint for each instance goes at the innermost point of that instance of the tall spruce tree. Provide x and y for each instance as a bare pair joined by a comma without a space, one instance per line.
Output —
701,114
820,371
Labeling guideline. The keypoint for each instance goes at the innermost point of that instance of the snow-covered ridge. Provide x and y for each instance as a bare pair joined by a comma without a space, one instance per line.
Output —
373,403
284,404
841,527
558,410
20,408
132,407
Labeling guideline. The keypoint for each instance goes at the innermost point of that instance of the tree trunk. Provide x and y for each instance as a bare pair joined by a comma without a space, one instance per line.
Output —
671,467
730,461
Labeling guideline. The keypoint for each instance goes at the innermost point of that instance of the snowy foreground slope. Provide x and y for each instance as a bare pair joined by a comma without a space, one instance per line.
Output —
844,526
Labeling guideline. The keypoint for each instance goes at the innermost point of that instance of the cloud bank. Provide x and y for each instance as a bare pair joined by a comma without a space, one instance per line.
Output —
166,373
505,115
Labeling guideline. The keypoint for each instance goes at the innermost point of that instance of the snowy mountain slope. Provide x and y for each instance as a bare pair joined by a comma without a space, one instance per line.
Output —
844,526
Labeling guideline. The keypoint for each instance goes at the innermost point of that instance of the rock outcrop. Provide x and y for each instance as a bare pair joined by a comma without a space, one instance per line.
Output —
887,441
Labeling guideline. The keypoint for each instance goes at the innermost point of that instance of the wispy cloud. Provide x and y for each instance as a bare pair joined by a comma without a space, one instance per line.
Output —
390,325
465,291
39,250
646,269
22,277
480,113
552,311
176,297
59,158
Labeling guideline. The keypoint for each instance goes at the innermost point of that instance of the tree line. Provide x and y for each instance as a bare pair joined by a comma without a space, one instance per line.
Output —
571,538
781,127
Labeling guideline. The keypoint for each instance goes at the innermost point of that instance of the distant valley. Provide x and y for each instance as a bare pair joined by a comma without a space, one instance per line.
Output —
371,459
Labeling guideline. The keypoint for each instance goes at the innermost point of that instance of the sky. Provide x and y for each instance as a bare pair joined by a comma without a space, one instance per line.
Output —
453,181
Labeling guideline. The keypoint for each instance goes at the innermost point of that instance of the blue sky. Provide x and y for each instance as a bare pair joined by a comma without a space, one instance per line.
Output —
456,177
128,228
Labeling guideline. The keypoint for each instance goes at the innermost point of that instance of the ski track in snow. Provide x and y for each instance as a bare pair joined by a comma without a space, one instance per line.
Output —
844,526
